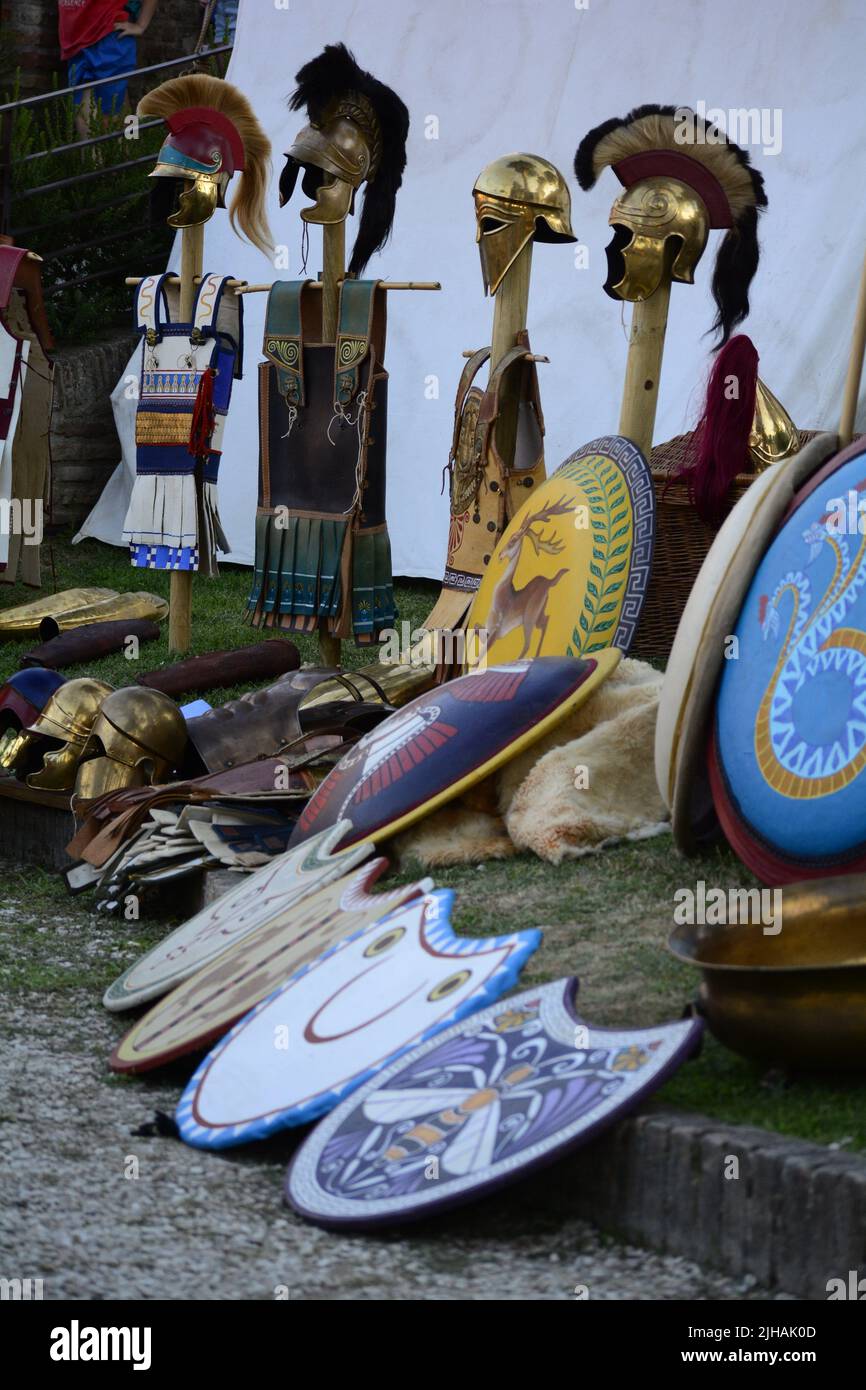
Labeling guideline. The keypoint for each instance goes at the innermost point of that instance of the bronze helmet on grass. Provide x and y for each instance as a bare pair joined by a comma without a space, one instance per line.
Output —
22,699
67,719
138,737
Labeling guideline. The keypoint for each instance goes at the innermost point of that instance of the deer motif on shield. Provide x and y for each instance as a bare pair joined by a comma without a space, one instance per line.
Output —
526,607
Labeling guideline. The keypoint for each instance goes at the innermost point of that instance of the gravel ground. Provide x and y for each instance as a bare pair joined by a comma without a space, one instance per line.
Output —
195,1225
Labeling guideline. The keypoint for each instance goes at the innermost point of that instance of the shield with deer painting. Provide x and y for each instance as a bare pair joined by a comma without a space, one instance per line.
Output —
442,743
569,576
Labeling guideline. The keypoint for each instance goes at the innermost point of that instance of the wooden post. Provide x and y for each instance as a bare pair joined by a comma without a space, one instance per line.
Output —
333,270
510,312
855,368
646,345
180,612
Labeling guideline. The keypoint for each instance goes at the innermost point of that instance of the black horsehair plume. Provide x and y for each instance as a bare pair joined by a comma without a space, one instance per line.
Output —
327,78
654,128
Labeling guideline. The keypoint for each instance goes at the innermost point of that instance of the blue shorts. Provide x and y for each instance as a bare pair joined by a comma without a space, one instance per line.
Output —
113,54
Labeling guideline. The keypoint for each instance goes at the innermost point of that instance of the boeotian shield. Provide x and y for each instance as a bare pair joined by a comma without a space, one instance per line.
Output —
275,887
204,1007
500,1094
444,742
342,1018
568,577
788,760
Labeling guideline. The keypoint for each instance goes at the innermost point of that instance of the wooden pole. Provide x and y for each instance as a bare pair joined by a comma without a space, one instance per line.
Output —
855,367
180,613
640,392
333,271
241,286
510,312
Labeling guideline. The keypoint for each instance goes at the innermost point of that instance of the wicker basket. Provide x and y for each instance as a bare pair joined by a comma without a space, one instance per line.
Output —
681,545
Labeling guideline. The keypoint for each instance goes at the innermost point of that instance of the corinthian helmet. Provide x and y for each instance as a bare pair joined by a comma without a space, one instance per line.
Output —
682,176
356,135
518,198
213,134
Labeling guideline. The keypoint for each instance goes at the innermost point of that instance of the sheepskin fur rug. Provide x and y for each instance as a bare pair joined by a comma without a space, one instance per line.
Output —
587,784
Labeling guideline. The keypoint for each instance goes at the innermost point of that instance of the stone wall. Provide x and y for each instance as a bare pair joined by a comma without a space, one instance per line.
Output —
29,40
85,448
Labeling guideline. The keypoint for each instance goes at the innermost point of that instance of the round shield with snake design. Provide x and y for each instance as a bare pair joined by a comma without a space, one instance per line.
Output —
788,753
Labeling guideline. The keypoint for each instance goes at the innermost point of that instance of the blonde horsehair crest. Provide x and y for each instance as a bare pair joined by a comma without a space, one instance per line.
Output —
247,211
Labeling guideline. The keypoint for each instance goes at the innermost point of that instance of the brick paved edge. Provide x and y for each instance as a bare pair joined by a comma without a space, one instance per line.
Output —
793,1218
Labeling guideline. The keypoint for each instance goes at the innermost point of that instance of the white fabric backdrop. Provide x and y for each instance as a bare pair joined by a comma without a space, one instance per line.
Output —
502,75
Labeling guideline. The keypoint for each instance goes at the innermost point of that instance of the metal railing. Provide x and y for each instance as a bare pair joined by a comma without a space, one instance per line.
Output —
11,198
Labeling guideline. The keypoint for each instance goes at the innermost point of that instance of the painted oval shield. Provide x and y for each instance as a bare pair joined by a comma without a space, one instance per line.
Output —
788,764
340,1019
568,577
206,1005
484,1103
276,887
440,744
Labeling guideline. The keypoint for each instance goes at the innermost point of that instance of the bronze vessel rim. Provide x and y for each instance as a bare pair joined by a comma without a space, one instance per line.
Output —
684,945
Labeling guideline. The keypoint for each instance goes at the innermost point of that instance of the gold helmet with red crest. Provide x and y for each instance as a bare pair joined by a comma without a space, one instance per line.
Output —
682,177
213,134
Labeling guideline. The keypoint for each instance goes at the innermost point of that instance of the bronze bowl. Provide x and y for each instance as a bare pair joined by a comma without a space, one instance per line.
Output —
797,999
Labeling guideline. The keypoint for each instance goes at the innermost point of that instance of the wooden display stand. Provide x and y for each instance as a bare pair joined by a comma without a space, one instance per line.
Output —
640,393
334,254
510,312
333,271
180,612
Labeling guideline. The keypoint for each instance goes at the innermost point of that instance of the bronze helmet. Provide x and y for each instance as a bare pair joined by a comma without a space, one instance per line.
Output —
67,718
22,700
138,737
213,134
518,198
682,176
356,134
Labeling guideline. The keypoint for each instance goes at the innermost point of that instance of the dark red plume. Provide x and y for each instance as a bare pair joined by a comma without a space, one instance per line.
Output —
203,417
722,434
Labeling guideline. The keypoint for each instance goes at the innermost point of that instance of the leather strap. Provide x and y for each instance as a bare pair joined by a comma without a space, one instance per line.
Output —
517,359
489,408
149,297
354,337
10,259
284,338
467,376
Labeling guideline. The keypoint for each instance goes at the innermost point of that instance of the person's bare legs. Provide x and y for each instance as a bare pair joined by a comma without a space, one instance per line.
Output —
82,114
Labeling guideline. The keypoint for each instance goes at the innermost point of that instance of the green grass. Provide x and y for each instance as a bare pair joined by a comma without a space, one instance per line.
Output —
219,606
605,918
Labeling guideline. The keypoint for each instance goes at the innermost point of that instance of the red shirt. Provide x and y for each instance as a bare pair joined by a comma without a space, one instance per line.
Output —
83,22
